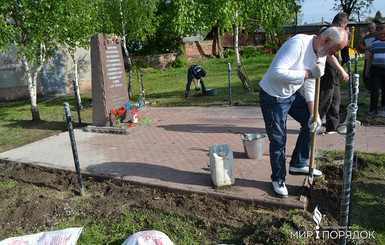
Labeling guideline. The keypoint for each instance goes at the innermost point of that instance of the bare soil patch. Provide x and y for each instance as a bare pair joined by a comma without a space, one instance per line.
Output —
39,198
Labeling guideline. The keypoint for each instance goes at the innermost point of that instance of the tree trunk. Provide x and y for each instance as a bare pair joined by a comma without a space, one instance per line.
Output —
32,89
129,87
241,76
218,41
77,80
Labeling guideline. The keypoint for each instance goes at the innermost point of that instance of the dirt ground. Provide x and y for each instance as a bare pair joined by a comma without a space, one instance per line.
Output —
38,198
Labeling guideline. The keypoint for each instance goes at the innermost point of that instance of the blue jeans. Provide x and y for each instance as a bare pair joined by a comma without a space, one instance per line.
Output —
275,111
189,80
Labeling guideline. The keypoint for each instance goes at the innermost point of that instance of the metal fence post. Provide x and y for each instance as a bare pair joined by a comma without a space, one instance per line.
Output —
230,99
356,84
70,119
356,63
143,92
348,168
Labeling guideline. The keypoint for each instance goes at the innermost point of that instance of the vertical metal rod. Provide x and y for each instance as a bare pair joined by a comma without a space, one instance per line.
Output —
356,83
348,168
144,94
356,63
350,81
77,102
69,119
230,99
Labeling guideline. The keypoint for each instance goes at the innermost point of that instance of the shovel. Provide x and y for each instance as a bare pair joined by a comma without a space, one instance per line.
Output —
314,134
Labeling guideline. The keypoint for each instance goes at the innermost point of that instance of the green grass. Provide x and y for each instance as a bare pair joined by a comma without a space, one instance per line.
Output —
367,200
168,87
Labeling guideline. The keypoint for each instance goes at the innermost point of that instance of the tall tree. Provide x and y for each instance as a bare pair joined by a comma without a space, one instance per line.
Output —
193,16
31,25
352,6
38,29
131,20
80,22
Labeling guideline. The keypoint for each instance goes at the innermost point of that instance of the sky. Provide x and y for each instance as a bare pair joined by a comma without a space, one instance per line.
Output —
314,10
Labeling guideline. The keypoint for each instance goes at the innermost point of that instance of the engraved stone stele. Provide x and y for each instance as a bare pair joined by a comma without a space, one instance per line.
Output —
109,87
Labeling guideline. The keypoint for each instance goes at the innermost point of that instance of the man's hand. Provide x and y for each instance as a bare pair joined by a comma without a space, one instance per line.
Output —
317,70
314,126
345,76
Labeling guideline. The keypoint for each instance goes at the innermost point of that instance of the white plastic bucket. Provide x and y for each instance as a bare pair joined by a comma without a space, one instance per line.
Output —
221,165
254,145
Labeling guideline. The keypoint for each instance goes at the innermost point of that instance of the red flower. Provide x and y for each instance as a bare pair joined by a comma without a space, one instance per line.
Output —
134,111
118,113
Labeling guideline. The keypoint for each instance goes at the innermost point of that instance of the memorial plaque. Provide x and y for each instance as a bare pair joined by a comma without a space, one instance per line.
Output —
109,87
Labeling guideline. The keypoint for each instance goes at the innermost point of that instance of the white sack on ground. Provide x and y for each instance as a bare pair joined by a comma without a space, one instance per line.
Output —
148,238
68,236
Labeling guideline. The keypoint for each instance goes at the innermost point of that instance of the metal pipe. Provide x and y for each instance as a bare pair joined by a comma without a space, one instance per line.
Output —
356,83
348,168
70,119
78,105
356,63
143,93
229,69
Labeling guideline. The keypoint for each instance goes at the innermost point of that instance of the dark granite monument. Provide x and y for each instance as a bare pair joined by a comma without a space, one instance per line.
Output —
109,87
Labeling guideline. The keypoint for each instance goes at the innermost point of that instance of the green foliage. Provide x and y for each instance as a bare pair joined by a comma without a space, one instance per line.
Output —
7,185
352,7
229,52
141,64
179,62
250,52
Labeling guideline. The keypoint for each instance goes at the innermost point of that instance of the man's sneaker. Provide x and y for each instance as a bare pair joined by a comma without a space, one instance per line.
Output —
331,132
280,188
304,171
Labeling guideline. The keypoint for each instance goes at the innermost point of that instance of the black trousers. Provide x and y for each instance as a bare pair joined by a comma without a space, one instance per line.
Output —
377,82
330,99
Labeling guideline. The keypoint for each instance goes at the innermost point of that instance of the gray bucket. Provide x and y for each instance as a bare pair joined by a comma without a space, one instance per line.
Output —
254,145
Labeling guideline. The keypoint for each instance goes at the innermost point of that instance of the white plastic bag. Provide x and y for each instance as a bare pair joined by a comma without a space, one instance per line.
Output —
148,238
68,236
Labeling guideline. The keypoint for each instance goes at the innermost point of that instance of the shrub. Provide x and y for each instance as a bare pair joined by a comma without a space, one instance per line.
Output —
142,64
229,52
249,52
179,62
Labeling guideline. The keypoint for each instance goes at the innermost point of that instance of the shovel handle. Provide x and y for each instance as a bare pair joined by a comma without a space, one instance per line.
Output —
314,134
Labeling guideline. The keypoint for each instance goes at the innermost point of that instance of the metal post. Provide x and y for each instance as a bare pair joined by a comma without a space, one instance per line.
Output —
144,94
350,81
77,102
229,69
356,83
356,63
348,168
70,119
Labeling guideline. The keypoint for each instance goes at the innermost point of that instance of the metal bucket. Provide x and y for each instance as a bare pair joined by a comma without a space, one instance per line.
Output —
211,92
254,145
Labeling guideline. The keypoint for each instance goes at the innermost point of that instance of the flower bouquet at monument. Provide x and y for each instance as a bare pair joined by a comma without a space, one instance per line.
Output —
118,114
134,107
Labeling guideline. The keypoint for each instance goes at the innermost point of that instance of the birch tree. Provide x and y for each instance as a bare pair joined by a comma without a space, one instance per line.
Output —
40,28
79,22
130,19
31,26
